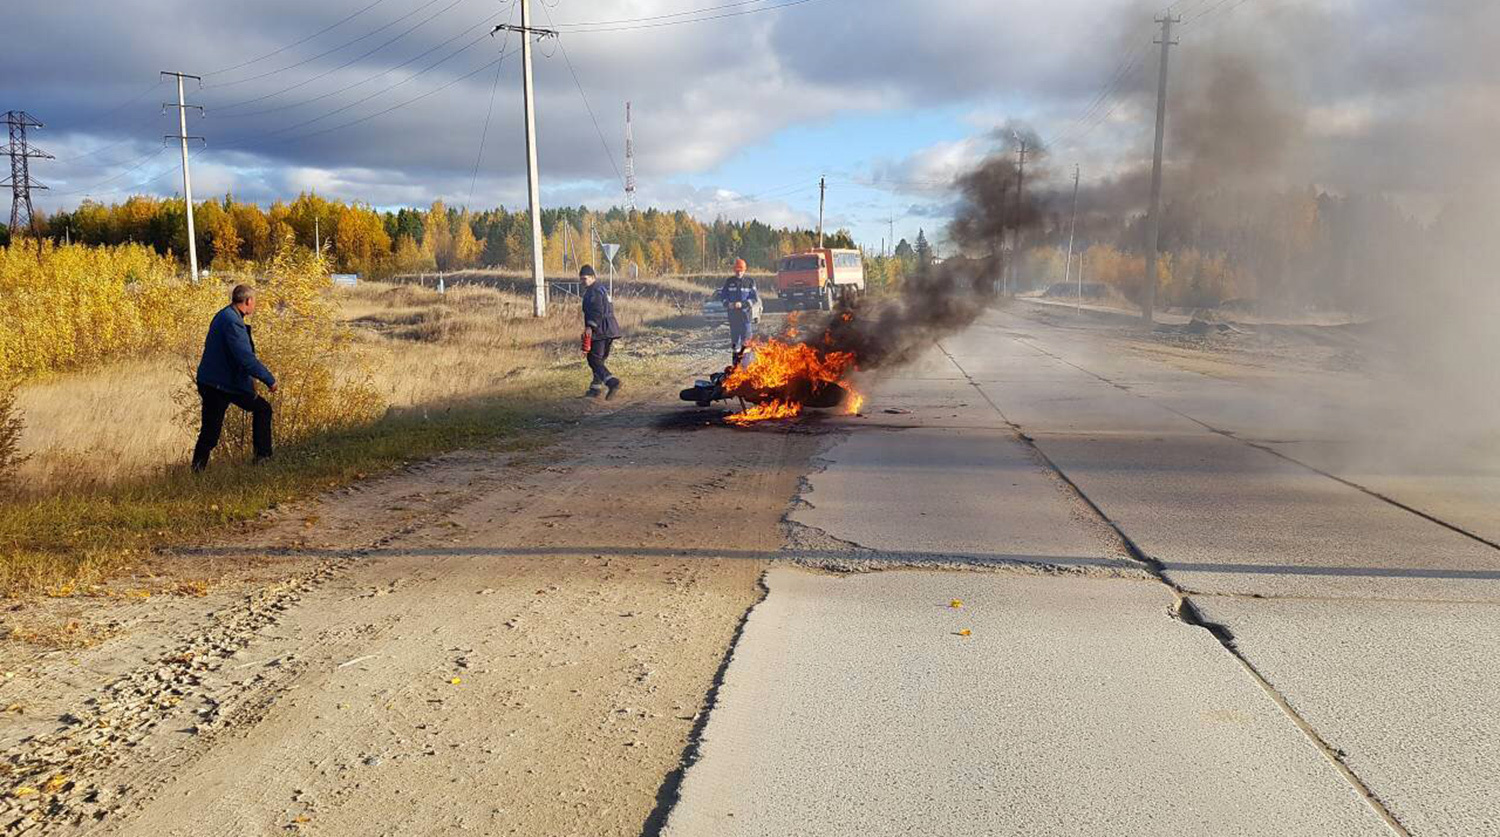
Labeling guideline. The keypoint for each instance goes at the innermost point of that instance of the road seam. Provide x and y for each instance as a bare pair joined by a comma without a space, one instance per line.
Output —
1429,517
1185,612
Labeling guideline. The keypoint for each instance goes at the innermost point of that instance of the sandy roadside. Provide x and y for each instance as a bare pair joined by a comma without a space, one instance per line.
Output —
488,642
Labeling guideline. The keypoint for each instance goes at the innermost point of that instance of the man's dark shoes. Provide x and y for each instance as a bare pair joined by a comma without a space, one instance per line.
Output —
593,392
613,387
260,460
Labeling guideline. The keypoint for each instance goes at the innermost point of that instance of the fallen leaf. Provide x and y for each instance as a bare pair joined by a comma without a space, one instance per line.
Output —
55,784
455,681
956,603
24,791
964,632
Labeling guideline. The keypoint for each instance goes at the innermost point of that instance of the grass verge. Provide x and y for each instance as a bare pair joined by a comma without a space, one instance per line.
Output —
479,383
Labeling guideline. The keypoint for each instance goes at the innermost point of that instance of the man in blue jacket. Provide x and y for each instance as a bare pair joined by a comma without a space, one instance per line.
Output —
601,330
227,375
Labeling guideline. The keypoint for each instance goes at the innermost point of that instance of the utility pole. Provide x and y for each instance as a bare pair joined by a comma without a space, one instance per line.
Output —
20,183
1072,230
533,187
891,219
317,238
1015,237
187,178
1153,221
822,192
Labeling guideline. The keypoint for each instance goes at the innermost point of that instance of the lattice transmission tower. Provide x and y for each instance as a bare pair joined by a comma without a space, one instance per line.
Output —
629,161
21,153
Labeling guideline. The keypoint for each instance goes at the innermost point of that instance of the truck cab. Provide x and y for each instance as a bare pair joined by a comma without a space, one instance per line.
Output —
820,277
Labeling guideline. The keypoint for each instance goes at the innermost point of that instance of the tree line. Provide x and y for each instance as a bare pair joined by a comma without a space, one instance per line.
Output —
358,238
1279,250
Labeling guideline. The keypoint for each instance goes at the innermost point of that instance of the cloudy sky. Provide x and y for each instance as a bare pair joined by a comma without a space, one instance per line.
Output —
741,106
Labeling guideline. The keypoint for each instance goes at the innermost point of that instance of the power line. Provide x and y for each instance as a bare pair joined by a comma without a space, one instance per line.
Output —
586,106
1095,113
276,52
346,88
1216,9
325,53
397,106
347,64
494,87
386,89
585,30
128,102
103,148
117,175
170,169
666,16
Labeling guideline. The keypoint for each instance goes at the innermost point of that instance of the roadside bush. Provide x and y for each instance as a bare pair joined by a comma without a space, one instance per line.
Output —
79,306
322,385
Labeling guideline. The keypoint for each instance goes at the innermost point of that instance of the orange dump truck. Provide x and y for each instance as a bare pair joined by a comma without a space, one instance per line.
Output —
820,277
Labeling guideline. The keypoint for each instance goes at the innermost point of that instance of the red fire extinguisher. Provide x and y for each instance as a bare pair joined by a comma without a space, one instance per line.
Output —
588,340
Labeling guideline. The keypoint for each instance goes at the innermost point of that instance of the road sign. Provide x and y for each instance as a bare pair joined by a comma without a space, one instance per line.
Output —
609,251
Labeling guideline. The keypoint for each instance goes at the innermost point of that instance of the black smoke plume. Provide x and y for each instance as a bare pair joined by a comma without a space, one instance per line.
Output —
943,298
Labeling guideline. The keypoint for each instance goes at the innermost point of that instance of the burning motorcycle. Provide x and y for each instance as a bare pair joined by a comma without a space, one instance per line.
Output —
779,378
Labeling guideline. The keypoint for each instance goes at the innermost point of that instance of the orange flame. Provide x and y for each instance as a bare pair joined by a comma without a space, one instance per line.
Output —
769,411
854,402
784,375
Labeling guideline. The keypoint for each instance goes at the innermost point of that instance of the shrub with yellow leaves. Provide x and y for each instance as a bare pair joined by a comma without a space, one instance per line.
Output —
322,385
78,306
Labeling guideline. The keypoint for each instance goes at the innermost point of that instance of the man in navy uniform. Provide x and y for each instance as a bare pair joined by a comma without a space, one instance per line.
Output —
601,330
739,297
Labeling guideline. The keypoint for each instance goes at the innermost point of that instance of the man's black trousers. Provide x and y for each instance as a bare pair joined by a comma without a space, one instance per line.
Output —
215,402
598,353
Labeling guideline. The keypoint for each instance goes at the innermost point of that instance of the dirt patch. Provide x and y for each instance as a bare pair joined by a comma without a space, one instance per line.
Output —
498,642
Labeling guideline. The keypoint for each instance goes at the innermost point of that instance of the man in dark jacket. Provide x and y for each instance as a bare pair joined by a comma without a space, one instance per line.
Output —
227,375
601,330
739,296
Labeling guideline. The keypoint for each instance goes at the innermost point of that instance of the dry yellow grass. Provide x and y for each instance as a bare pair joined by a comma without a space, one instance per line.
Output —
95,428
425,348
420,348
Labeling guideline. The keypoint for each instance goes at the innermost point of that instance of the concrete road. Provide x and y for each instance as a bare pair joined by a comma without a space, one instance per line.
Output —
1353,595
853,707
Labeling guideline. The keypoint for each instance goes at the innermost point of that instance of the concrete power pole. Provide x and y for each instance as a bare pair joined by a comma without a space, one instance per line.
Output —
1072,230
822,193
1015,239
187,178
1153,221
20,183
533,185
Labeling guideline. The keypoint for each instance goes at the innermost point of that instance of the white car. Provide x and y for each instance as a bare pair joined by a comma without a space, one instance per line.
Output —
713,310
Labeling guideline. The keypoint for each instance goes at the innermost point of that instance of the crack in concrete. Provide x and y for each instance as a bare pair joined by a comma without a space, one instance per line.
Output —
1265,447
1184,611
